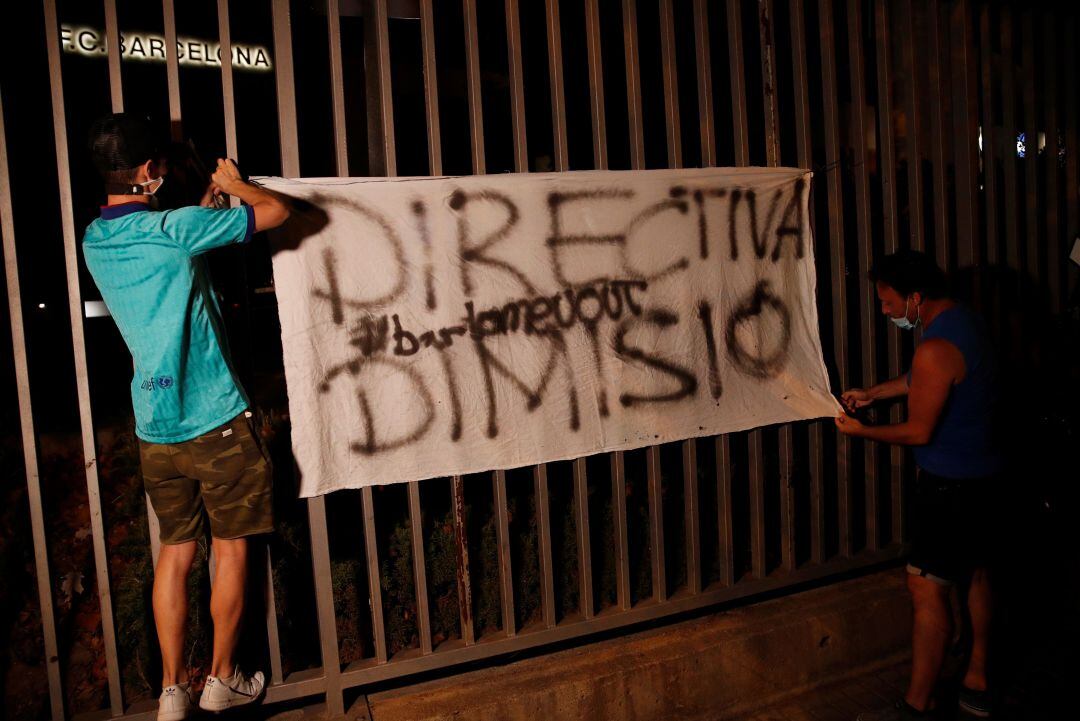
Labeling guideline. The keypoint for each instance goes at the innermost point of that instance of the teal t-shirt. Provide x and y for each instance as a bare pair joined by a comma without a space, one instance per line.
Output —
148,268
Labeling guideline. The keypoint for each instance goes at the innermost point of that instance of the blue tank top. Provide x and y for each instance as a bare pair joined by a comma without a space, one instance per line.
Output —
964,443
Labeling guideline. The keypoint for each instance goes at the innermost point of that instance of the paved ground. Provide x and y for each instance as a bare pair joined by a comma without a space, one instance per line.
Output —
1018,699
841,701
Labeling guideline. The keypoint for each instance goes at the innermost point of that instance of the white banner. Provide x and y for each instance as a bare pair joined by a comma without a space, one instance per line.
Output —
440,326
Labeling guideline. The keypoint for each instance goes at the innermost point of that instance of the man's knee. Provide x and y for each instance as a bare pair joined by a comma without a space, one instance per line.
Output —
176,557
230,550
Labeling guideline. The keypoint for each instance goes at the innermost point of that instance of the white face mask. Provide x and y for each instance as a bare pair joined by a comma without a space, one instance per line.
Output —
160,180
903,323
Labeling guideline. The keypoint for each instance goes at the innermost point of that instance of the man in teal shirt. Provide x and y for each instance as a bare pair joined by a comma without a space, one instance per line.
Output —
200,458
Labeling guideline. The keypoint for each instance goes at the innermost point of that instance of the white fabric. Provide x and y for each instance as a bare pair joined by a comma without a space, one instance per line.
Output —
417,317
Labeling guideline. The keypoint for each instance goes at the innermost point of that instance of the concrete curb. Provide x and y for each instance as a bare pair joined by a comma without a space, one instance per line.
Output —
719,666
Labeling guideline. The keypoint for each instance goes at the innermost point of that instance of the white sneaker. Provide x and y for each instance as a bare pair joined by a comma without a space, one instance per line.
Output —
223,693
174,703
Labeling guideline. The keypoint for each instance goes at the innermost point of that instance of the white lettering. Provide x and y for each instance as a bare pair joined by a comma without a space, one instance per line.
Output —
90,46
143,47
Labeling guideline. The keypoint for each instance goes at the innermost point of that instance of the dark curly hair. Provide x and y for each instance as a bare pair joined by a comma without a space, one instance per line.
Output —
911,271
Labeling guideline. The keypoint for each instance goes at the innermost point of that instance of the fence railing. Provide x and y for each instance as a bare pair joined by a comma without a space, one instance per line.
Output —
909,113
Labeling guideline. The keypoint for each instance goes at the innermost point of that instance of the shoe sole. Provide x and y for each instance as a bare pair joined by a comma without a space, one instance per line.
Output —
174,715
233,704
976,712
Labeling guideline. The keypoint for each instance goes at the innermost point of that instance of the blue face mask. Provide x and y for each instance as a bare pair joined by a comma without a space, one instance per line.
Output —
903,323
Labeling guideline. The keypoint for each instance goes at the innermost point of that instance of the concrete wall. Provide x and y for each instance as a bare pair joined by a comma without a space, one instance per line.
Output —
715,667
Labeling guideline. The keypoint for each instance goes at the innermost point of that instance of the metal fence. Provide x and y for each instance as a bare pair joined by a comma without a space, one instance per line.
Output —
934,125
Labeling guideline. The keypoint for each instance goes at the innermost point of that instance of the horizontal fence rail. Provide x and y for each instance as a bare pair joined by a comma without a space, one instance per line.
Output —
905,155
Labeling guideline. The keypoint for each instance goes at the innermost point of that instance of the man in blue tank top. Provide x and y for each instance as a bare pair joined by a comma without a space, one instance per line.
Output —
952,396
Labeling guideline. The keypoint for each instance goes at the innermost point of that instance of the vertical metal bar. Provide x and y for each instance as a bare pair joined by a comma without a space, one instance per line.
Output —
381,147
724,511
738,86
868,306
324,605
596,85
671,85
838,269
584,541
464,577
708,158
320,544
555,75
517,92
502,532
1072,157
416,532
286,92
26,425
1008,146
227,95
704,78
989,136
675,160
633,85
766,31
558,124
1055,248
656,524
757,504
936,99
804,149
637,161
966,124
1031,156
431,88
785,438
786,457
337,86
82,380
112,42
371,552
887,150
692,513
273,637
543,537
172,69
472,73
913,113
618,512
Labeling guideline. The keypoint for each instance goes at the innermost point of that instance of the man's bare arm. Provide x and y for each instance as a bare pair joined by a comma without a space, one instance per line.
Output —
270,211
936,367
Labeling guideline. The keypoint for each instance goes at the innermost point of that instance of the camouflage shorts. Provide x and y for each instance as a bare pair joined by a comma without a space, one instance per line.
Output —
225,471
